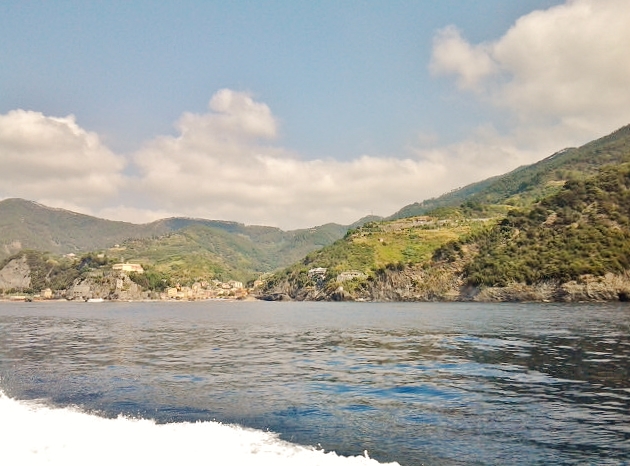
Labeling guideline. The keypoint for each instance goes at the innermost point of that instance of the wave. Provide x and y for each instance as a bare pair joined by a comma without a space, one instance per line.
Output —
33,433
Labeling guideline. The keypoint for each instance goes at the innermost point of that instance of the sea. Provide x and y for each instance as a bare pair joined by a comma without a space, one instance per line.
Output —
314,383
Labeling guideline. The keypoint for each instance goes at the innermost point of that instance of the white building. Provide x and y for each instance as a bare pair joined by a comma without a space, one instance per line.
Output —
128,267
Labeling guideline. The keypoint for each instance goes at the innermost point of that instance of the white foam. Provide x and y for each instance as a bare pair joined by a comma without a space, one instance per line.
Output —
33,434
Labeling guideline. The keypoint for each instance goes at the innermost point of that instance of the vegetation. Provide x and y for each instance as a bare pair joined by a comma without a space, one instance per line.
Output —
152,280
198,252
584,229
183,248
562,219
529,184
379,246
55,272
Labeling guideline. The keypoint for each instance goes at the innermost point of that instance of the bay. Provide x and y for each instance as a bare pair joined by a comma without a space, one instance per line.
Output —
412,383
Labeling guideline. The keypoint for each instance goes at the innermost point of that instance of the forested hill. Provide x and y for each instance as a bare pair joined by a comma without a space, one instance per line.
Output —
570,245
582,230
524,185
29,225
183,248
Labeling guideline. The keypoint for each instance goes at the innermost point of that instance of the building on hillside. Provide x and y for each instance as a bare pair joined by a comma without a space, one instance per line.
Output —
234,285
319,272
350,275
126,267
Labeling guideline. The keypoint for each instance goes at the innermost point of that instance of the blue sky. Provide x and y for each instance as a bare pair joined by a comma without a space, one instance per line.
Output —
334,101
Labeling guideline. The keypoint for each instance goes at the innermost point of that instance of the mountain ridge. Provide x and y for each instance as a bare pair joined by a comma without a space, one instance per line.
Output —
436,253
523,184
558,229
231,250
37,226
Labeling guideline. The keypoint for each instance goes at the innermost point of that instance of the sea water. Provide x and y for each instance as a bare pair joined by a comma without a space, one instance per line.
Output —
314,383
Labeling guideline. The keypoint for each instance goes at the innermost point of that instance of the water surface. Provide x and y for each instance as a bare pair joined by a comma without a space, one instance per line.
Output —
416,383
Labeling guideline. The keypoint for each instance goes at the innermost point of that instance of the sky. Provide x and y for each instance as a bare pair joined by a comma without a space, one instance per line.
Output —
296,113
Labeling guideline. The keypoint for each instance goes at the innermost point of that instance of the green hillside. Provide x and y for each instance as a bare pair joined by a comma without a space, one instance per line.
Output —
375,248
199,251
527,230
584,229
527,184
28,225
185,247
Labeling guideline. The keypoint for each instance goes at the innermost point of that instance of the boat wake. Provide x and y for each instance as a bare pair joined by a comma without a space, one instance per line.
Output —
33,433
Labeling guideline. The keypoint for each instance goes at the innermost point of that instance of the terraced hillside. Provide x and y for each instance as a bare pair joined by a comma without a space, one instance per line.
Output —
531,237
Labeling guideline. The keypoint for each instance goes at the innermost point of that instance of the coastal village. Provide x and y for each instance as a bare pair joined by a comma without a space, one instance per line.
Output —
116,285
123,281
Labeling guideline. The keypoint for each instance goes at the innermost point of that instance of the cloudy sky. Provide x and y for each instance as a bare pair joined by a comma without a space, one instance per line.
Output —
296,113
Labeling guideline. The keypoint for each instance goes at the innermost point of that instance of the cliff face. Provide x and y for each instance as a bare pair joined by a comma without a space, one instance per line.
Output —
15,275
610,287
18,275
445,282
111,285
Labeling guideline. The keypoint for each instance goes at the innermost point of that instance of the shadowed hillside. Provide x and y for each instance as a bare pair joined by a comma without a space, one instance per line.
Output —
183,246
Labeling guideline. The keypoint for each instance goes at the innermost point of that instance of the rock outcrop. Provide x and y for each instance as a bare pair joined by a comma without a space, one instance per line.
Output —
609,287
16,275
445,282
115,286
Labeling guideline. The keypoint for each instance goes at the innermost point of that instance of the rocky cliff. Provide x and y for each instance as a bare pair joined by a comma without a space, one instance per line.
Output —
15,275
112,285
445,282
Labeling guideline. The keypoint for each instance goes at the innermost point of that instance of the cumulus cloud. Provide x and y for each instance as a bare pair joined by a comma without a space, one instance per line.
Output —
559,76
223,164
54,160
452,55
566,67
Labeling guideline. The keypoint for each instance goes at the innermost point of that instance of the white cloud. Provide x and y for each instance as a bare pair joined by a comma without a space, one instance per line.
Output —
129,213
53,160
565,68
224,164
570,63
452,55
560,75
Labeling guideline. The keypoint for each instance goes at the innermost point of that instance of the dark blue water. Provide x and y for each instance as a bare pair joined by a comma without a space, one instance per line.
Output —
434,384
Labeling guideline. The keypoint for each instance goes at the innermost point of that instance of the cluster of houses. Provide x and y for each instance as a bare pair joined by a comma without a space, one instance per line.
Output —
118,286
201,290
319,273
206,290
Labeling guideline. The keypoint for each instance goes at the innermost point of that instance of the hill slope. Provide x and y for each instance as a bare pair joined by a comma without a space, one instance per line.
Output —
582,230
572,244
29,225
524,185
201,251
220,248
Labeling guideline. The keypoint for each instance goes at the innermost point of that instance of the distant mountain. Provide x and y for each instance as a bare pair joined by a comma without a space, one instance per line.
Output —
29,225
230,249
243,253
525,184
